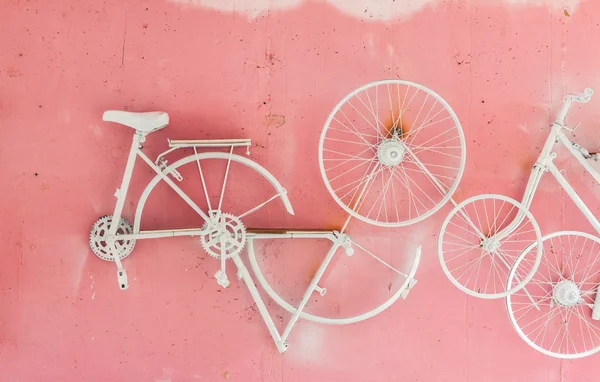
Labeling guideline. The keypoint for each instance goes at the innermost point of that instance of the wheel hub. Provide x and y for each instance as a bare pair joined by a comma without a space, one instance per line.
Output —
390,152
490,245
226,234
566,293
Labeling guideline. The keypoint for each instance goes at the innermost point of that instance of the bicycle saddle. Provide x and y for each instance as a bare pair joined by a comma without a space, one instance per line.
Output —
146,122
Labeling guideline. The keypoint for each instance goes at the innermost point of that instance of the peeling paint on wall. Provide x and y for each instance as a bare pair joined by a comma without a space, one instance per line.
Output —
383,10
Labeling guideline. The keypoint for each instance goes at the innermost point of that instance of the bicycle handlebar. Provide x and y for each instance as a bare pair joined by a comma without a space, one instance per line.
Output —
583,97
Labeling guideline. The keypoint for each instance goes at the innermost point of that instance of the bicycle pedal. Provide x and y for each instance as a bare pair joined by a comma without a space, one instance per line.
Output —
122,278
222,279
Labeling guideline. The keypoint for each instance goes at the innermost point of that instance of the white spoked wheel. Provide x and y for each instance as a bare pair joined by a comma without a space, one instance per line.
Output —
392,153
557,312
361,269
480,242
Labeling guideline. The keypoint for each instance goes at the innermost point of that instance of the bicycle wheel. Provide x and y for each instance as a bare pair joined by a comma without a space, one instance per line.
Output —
345,287
392,153
553,313
480,241
212,181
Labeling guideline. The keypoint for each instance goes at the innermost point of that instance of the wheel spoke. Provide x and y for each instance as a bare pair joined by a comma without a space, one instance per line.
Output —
359,127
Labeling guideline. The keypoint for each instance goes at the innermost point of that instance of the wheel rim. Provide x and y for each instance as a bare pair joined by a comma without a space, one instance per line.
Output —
328,320
481,240
564,289
392,153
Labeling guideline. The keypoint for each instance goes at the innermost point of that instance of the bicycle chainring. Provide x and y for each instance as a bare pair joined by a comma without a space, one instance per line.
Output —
228,234
99,245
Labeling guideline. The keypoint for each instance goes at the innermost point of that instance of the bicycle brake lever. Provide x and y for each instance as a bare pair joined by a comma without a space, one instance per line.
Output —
122,277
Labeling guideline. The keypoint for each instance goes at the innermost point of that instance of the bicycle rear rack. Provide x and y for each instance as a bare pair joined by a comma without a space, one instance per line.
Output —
210,143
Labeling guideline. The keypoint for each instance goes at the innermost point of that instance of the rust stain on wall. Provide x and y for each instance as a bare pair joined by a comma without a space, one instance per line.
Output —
274,120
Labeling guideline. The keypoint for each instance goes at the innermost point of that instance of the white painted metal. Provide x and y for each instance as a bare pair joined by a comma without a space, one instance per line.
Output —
565,288
388,154
408,283
544,164
210,143
281,192
489,253
223,235
100,247
596,307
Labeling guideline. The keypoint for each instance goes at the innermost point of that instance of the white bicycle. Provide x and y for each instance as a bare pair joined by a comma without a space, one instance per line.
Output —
490,246
387,155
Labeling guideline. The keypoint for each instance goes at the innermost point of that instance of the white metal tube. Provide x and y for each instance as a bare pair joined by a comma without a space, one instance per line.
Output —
360,195
534,180
574,196
224,179
292,235
122,192
309,291
562,113
596,308
210,143
156,234
579,157
176,188
281,346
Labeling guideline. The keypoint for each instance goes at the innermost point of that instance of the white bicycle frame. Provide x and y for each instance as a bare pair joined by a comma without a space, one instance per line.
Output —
545,162
338,239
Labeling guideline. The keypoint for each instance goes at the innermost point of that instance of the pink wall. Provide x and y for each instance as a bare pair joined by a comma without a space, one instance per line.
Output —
503,66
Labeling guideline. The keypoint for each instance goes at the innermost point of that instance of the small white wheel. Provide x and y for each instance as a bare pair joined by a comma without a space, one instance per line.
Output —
553,312
480,242
98,235
392,153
